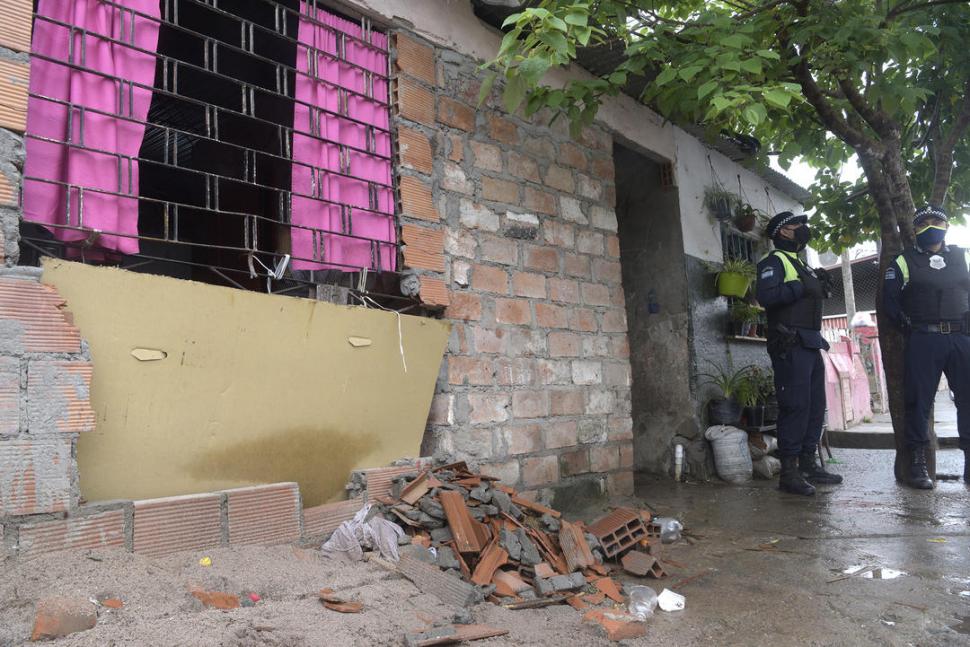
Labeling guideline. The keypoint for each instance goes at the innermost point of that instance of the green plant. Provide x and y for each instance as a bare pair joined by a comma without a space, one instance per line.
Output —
720,203
762,384
745,312
731,383
739,266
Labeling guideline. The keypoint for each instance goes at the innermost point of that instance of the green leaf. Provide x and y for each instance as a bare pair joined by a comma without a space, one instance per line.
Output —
736,41
533,69
618,78
514,93
514,18
752,65
689,73
583,34
486,88
754,113
721,103
778,98
665,77
769,54
706,89
509,41
555,40
555,98
577,18
557,24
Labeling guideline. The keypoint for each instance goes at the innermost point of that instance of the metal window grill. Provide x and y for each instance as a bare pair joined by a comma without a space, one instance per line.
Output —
216,163
738,246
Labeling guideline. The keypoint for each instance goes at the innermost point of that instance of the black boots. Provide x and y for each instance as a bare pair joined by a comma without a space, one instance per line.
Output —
791,478
814,471
919,476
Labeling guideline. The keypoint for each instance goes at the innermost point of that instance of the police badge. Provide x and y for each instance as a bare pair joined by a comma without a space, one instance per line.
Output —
937,262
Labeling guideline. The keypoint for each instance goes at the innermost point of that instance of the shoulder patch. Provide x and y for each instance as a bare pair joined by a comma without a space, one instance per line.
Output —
891,274
768,272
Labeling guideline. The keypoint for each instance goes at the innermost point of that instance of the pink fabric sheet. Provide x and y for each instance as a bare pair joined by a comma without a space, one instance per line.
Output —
318,169
117,133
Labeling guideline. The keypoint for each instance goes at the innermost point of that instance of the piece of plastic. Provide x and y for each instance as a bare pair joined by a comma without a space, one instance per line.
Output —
669,529
205,561
670,601
643,600
732,458
360,532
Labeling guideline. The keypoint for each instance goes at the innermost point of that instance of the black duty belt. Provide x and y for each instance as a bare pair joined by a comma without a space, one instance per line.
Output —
943,327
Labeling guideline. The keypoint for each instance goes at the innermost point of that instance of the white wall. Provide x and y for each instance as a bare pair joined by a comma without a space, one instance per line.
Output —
702,234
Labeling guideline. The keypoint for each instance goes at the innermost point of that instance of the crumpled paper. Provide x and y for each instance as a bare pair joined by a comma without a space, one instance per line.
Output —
353,536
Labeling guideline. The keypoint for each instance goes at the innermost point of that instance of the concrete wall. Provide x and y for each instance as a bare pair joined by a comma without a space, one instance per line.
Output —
15,15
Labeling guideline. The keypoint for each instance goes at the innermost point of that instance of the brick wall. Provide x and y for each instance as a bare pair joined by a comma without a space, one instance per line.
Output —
511,225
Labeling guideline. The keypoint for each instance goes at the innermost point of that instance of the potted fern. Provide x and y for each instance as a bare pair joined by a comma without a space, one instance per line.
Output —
745,318
745,217
720,203
725,410
735,278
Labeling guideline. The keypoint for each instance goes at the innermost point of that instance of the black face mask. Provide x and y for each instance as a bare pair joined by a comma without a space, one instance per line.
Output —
802,235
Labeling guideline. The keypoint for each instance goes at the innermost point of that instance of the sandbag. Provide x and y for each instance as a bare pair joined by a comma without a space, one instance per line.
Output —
732,458
767,467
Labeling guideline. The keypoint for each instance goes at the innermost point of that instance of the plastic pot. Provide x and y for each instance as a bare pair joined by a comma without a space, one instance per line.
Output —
731,284
746,222
771,411
721,411
755,416
722,209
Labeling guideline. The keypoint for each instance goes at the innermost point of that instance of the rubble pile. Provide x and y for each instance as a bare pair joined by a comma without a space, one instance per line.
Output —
473,538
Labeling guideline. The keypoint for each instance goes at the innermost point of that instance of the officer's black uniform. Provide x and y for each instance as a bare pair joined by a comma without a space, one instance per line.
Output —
927,295
792,294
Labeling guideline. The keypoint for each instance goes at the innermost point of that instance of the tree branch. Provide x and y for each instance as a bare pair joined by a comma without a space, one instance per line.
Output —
905,7
943,151
878,120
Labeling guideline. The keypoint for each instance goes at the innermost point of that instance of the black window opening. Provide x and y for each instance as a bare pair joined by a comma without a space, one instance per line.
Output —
215,165
744,320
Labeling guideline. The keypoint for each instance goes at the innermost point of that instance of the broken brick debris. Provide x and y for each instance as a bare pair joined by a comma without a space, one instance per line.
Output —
431,579
332,601
544,570
56,617
217,599
619,531
493,557
468,533
451,634
112,603
574,547
637,563
509,584
609,588
618,625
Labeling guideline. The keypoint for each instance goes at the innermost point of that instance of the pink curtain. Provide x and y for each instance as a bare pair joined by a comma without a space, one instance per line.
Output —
103,182
341,148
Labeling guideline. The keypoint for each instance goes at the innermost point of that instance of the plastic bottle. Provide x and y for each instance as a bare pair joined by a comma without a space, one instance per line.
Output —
669,529
643,600
678,462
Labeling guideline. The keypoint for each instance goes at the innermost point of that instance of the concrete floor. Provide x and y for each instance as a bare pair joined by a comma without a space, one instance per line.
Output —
782,595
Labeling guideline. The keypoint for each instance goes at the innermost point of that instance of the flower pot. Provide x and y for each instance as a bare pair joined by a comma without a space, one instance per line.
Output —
755,416
731,284
722,208
745,222
771,411
721,411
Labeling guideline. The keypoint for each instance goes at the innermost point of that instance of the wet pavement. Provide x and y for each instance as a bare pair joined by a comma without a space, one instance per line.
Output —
877,433
768,568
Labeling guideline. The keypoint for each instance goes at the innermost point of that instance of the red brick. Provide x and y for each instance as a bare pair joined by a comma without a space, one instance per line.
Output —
512,311
620,484
36,311
173,524
564,290
490,341
561,433
9,396
102,530
523,438
380,480
620,428
560,178
516,371
577,265
15,24
564,344
487,156
455,114
572,155
490,279
8,195
553,372
506,472
584,320
464,305
540,470
526,284
61,616
423,247
559,234
530,404
606,271
469,370
604,459
595,294
416,201
36,475
502,130
540,147
264,514
456,148
620,347
590,242
545,259
617,297
67,383
442,412
614,321
499,190
613,246
616,374
603,169
550,316
541,201
575,462
522,167
434,292
414,58
567,403
14,81
488,407
321,520
626,455
496,249
414,102
415,150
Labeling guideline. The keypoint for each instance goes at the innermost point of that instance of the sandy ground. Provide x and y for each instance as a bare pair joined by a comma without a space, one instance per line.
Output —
738,594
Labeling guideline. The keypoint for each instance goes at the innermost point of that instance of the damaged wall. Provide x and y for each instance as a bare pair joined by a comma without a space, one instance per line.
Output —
248,388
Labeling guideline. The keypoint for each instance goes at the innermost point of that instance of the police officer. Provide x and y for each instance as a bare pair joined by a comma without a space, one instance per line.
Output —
927,295
792,294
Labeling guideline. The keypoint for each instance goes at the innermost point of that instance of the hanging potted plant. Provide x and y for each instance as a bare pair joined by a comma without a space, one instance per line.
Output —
720,203
735,277
744,318
725,410
745,217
